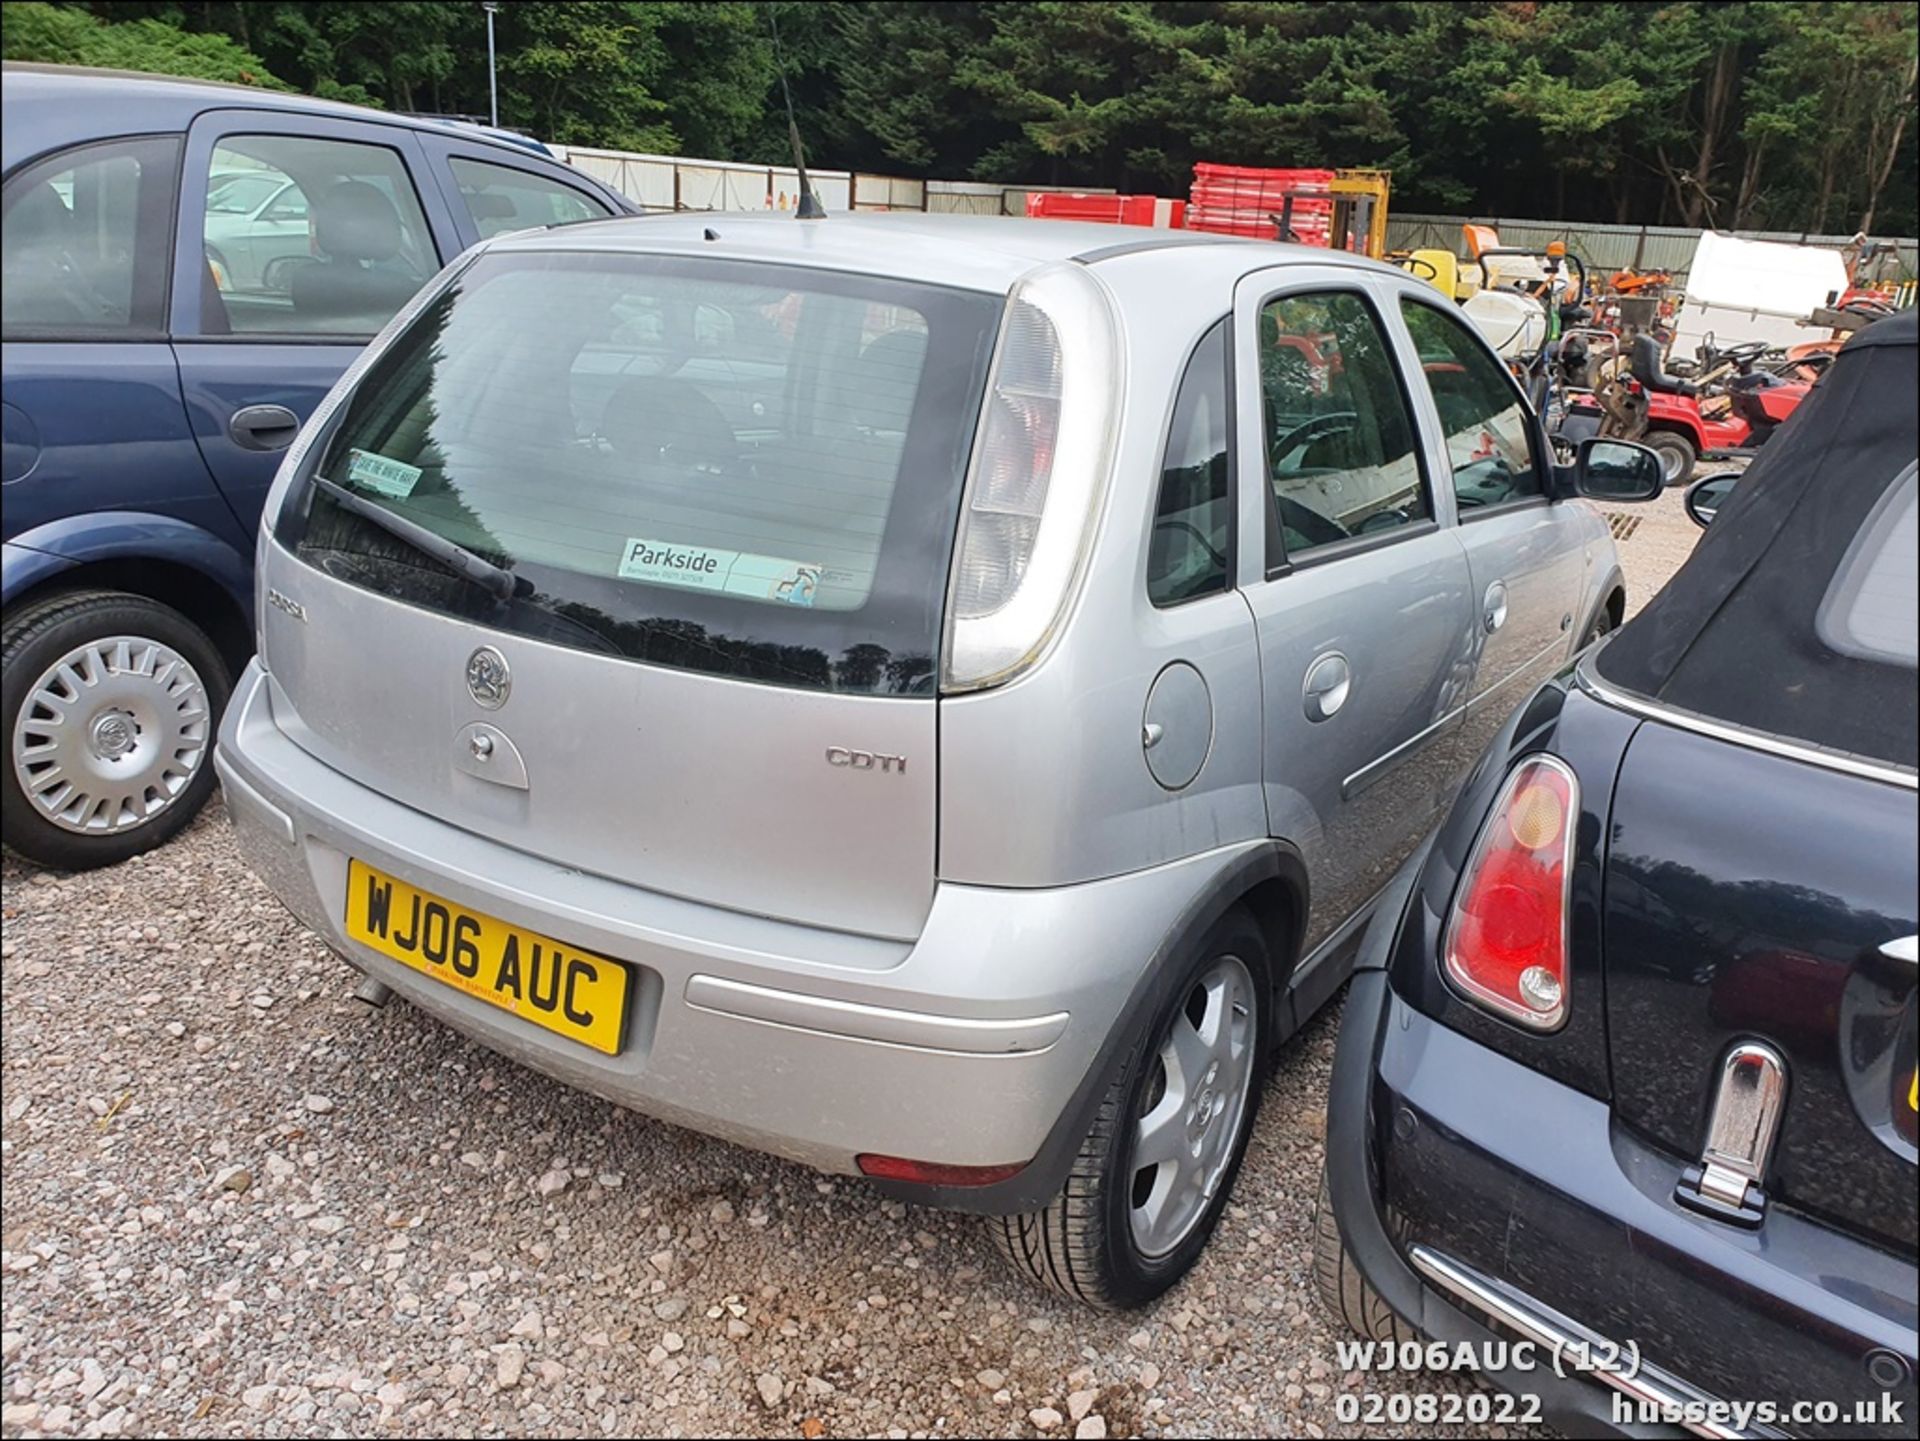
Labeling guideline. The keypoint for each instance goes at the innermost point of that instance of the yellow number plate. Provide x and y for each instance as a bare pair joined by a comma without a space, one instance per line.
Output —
572,993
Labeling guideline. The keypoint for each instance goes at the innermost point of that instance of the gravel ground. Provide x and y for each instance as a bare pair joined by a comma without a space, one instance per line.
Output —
1662,540
239,1203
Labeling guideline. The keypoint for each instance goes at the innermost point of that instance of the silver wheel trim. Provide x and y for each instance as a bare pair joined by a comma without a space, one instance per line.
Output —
1191,1109
1671,461
111,734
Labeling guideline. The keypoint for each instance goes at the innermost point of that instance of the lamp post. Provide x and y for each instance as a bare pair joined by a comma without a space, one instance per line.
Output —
493,78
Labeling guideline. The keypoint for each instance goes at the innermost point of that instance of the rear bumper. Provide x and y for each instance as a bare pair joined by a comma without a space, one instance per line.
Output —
970,1046
1468,1186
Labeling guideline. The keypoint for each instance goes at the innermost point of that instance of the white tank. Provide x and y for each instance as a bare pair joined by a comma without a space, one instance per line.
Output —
1514,325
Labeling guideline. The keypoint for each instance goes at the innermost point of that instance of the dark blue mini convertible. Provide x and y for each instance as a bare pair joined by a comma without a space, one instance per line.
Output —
1627,1070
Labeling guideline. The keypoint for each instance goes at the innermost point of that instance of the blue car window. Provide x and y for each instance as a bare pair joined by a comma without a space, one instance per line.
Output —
84,249
340,245
501,198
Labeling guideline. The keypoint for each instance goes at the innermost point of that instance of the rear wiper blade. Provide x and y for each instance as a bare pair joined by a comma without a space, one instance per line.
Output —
499,582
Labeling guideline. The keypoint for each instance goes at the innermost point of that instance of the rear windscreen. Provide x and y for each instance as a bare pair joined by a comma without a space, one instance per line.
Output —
744,469
1872,609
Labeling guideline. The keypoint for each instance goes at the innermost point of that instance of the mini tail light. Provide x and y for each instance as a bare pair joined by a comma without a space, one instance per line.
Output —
1506,944
1034,485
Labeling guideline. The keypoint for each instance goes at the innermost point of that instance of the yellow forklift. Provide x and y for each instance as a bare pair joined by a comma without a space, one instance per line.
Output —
1358,222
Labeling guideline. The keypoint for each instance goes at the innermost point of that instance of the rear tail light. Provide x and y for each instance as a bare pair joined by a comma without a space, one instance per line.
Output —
1033,489
1506,945
934,1173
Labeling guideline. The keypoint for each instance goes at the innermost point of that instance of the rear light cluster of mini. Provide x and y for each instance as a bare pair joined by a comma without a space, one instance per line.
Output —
1039,468
1506,942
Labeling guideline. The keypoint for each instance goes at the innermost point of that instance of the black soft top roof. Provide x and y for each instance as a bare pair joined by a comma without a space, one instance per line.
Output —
1734,634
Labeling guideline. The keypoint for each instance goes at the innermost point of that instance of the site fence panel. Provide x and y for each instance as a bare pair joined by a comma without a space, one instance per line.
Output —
1610,247
671,182
963,197
887,192
1013,198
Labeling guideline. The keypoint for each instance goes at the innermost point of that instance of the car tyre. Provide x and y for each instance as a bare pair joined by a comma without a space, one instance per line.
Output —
1601,625
148,688
1676,452
1127,1224
1342,1288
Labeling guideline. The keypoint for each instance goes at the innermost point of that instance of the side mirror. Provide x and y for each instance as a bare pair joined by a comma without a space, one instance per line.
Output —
1705,497
1617,470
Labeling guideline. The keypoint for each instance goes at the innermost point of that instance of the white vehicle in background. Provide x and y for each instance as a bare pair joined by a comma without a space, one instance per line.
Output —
254,218
1739,291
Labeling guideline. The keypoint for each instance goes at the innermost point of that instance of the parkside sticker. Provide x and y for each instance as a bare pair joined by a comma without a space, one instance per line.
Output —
381,475
734,572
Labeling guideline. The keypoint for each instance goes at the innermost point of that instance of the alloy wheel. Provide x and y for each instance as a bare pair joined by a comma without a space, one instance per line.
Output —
1191,1108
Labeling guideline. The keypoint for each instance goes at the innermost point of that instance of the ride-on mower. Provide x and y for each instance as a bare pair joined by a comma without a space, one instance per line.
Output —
1725,413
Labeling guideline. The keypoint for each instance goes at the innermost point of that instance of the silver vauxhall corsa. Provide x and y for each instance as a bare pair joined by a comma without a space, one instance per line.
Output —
930,697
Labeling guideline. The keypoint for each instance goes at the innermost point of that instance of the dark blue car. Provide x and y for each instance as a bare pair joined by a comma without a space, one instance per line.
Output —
1627,1070
187,270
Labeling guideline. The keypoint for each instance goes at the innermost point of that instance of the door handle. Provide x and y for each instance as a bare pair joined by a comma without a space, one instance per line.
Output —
1493,609
263,427
1329,682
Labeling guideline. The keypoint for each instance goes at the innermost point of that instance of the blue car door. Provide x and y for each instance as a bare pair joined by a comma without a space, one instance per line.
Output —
92,410
267,313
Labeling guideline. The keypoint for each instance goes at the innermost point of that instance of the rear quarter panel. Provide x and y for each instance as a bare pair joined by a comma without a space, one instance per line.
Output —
1044,781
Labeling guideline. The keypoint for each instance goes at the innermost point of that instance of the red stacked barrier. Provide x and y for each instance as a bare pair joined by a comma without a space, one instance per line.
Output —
1243,200
1107,209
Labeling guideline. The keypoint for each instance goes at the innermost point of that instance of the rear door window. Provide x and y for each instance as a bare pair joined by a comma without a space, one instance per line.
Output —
1341,452
745,469
502,198
310,236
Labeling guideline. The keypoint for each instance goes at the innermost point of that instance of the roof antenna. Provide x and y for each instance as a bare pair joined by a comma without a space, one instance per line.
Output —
809,206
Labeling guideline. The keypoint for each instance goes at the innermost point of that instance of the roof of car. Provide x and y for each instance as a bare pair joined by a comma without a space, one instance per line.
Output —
49,107
975,252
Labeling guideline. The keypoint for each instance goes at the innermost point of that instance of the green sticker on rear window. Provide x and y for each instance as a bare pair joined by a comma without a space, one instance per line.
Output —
735,572
385,477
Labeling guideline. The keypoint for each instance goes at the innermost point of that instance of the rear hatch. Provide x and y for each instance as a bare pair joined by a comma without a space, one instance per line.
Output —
710,507
1751,897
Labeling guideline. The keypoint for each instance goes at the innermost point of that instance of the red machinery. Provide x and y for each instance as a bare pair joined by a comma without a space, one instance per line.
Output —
1150,210
1243,200
1686,427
